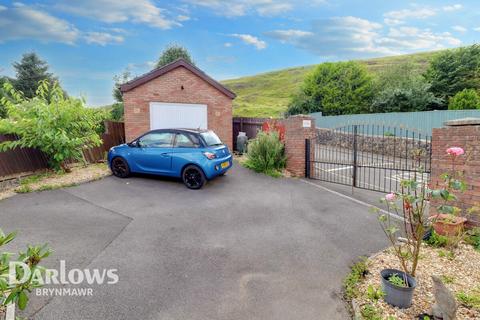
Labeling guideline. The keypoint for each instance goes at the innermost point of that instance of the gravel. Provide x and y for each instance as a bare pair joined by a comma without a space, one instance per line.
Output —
463,270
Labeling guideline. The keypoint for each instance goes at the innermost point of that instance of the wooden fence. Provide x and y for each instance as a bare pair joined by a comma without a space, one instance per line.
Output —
248,125
24,161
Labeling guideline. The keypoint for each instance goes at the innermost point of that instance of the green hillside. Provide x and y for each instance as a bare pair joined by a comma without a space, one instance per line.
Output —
268,94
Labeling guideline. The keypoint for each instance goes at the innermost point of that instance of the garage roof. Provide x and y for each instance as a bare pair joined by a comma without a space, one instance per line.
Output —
169,67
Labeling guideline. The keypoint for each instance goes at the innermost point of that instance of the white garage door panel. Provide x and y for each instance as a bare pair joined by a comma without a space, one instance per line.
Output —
177,115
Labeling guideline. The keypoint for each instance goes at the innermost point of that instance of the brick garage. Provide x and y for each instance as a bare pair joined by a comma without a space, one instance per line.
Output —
178,83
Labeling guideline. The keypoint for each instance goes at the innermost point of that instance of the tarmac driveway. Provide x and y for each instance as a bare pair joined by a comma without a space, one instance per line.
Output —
246,246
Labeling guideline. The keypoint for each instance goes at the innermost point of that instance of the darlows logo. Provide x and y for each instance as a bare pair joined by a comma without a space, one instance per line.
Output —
19,272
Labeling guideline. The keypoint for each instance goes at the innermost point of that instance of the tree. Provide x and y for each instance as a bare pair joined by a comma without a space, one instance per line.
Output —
59,126
117,107
172,53
2,94
454,70
403,90
29,72
335,89
119,80
465,99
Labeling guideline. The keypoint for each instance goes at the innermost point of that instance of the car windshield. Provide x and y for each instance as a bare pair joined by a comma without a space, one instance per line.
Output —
211,139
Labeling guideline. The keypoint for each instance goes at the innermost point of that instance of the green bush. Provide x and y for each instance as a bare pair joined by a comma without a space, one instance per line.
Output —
60,127
453,70
266,154
402,89
465,99
16,290
436,240
335,88
117,111
369,312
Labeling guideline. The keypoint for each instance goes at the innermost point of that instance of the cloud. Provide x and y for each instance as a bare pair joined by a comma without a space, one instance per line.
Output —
477,29
400,16
453,7
27,22
251,40
237,8
460,29
182,17
286,35
227,44
102,38
136,11
352,37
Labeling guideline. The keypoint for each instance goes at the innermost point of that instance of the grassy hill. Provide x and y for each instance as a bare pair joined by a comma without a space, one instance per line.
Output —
268,94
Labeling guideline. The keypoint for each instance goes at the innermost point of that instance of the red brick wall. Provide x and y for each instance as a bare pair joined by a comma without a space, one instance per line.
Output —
467,137
167,88
295,135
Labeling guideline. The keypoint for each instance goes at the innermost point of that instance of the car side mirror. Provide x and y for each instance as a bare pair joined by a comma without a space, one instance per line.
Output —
134,144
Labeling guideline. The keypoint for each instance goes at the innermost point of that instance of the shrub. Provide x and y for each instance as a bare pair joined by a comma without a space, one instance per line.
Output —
266,154
403,90
60,127
369,312
436,240
335,89
453,70
473,238
465,99
17,291
117,111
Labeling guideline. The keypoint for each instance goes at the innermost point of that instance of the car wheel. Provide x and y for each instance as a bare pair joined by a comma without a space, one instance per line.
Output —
193,177
120,168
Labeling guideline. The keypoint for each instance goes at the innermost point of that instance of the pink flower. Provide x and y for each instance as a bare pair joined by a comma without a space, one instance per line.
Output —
390,197
455,151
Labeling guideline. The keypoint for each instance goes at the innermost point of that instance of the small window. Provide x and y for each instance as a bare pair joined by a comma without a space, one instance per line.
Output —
184,141
156,140
211,139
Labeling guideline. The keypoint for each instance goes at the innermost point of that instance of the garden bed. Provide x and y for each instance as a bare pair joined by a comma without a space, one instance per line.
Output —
51,180
460,273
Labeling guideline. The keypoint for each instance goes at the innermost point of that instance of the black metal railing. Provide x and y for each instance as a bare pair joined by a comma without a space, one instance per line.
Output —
374,157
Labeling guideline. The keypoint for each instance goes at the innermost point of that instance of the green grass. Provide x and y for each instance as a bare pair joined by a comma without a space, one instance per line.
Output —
351,281
471,300
268,94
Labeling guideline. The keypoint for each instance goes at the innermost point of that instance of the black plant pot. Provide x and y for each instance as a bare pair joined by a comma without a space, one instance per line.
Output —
400,297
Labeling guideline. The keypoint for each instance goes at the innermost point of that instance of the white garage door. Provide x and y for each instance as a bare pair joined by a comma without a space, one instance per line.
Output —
177,115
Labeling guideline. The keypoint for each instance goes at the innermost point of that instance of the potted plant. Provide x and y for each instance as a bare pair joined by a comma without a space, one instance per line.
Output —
410,204
398,287
14,291
447,221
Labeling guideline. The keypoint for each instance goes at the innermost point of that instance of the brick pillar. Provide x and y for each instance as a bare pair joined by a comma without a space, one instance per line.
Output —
297,129
464,133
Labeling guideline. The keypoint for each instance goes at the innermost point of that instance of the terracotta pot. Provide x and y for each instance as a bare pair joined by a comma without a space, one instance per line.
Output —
448,225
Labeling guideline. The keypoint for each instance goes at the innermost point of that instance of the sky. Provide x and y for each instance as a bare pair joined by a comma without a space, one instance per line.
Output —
87,42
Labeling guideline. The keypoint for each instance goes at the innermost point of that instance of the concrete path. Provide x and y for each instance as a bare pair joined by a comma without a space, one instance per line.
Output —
246,246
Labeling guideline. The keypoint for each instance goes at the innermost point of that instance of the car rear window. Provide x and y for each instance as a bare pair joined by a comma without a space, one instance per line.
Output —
211,139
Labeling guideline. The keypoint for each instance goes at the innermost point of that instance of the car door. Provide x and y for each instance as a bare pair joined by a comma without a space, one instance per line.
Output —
154,152
185,150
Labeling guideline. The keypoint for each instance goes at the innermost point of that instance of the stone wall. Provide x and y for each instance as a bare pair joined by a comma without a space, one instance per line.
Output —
398,147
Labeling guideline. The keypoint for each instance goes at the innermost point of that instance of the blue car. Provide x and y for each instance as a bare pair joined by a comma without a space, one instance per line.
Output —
193,155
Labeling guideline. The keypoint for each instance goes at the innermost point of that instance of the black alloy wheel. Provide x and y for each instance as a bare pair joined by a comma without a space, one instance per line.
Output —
193,177
120,168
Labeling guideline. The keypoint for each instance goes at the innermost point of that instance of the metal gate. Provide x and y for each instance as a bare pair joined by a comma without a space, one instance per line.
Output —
373,157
